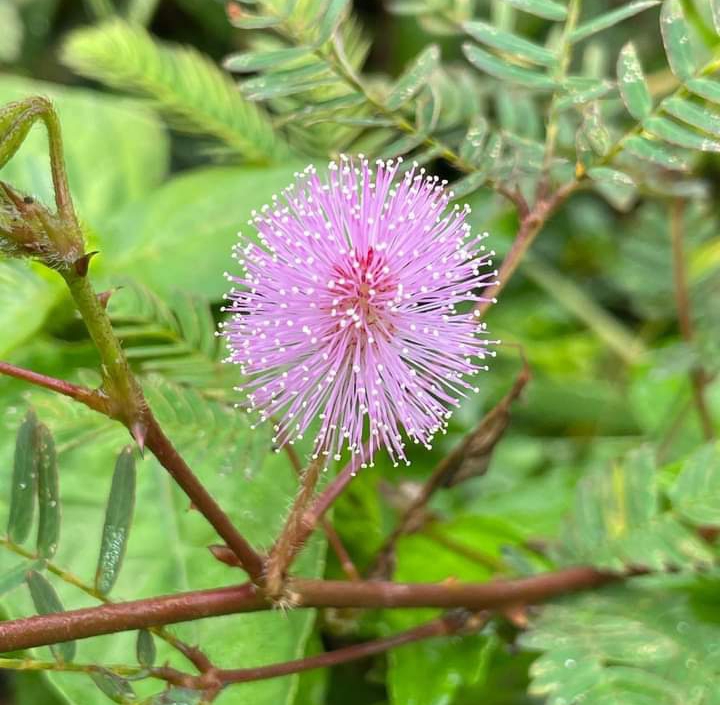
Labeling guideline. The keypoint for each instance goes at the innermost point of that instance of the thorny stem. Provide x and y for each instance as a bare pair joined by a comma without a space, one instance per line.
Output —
28,664
46,629
698,376
286,546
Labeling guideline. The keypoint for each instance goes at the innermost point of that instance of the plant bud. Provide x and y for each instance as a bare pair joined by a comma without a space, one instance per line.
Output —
28,229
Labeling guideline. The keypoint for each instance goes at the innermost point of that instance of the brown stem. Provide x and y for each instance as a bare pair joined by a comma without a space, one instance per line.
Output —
334,540
698,376
46,629
286,547
449,624
531,223
161,447
478,446
86,396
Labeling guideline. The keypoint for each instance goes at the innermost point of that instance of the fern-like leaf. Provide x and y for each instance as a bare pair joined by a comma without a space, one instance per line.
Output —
184,84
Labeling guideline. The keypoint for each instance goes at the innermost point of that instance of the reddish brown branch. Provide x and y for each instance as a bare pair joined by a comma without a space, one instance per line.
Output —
141,614
450,624
89,397
161,447
531,223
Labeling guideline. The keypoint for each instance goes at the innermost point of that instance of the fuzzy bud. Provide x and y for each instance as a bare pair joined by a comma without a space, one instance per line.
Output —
28,229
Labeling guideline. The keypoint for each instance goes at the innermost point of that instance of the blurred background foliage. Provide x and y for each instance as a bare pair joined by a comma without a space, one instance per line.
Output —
606,460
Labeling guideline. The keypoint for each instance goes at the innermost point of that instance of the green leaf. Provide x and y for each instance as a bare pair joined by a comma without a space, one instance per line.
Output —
177,696
715,9
705,88
249,61
285,83
414,77
24,479
617,521
696,115
471,147
654,152
118,518
581,90
509,43
249,21
467,184
145,649
696,492
185,84
611,18
15,577
116,688
46,601
631,81
432,672
676,38
190,224
48,494
617,187
507,72
641,644
541,8
167,549
675,133
332,15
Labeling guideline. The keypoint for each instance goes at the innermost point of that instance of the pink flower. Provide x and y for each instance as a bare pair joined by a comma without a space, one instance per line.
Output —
348,309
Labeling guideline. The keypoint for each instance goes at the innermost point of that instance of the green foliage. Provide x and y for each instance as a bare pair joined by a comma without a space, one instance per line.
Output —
182,82
605,461
634,645
618,521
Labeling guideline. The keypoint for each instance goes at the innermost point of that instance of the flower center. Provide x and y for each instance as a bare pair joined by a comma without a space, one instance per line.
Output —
364,287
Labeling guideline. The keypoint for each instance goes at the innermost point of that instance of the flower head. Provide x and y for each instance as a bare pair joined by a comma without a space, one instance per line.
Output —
347,309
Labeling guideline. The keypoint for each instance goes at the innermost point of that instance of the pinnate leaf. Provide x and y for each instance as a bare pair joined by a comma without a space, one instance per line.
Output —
118,518
510,43
609,19
547,9
414,78
24,479
676,37
48,495
631,81
46,601
507,72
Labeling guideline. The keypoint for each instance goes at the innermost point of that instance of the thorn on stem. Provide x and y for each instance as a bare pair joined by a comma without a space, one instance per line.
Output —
82,264
138,431
224,555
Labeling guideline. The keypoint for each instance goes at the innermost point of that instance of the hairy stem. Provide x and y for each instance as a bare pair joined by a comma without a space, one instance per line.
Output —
698,376
334,540
286,547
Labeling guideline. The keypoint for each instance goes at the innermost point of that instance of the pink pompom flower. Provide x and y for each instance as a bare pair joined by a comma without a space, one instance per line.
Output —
356,308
